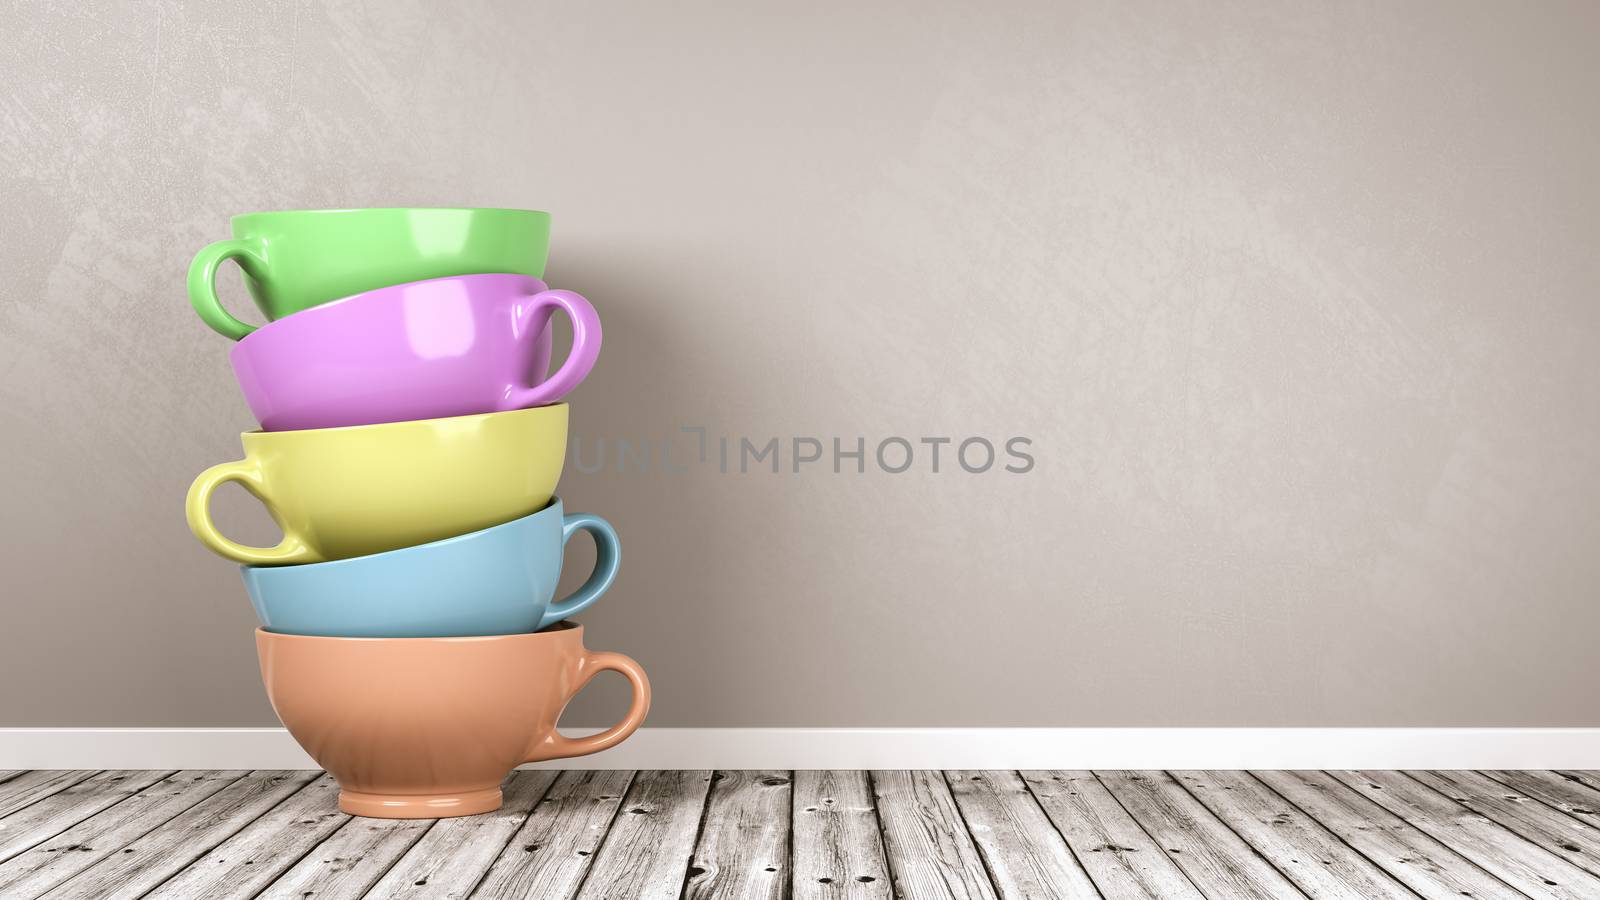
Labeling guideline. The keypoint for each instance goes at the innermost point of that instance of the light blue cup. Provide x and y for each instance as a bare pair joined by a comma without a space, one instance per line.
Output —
495,581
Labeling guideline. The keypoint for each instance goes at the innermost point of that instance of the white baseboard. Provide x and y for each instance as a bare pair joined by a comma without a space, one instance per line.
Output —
880,748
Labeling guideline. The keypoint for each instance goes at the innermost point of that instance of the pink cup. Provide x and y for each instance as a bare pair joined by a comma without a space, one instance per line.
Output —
455,346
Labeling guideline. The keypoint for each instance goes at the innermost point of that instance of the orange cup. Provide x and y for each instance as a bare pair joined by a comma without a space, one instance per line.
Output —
421,728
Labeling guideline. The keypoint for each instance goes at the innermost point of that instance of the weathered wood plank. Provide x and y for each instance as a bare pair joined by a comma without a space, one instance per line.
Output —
450,860
837,849
8,774
1576,842
646,854
49,816
30,787
1023,853
350,861
220,836
1218,862
148,861
1311,856
743,850
77,848
1563,792
241,866
931,855
551,853
1122,861
1410,856
1587,778
1519,863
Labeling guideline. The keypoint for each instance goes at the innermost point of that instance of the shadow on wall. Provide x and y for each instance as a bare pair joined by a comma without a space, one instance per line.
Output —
656,367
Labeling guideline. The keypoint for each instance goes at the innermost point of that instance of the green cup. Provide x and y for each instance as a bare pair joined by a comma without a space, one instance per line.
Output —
304,258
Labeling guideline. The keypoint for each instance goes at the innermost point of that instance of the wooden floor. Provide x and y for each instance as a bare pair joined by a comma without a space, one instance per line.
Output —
734,834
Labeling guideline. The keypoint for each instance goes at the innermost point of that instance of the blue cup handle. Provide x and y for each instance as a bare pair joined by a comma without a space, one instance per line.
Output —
607,559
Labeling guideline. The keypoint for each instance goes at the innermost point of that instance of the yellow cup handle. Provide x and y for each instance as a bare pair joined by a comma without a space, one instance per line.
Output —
292,549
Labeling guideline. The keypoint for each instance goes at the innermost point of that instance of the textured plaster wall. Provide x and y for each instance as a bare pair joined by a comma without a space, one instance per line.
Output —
1298,304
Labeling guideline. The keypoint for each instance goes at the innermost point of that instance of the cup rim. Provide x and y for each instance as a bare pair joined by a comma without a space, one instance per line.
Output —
385,209
271,328
564,628
258,434
553,508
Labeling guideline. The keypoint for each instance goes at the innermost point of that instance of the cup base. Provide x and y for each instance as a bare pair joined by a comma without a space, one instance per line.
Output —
419,806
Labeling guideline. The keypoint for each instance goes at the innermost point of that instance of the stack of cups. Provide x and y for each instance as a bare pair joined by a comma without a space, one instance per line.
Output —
409,450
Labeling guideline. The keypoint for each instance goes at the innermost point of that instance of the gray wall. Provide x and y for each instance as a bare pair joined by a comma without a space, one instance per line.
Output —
1297,304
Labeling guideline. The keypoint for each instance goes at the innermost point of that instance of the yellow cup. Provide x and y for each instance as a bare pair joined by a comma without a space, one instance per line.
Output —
343,492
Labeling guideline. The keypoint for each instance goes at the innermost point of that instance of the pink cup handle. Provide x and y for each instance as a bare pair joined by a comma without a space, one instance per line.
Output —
585,345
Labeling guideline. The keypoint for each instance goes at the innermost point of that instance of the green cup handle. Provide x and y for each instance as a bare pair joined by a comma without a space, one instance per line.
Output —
203,284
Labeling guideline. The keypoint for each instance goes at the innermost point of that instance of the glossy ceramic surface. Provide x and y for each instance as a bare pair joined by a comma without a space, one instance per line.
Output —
343,492
295,260
428,727
424,350
496,581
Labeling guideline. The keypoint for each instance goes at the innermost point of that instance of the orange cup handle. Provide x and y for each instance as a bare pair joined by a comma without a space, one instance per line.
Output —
556,746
